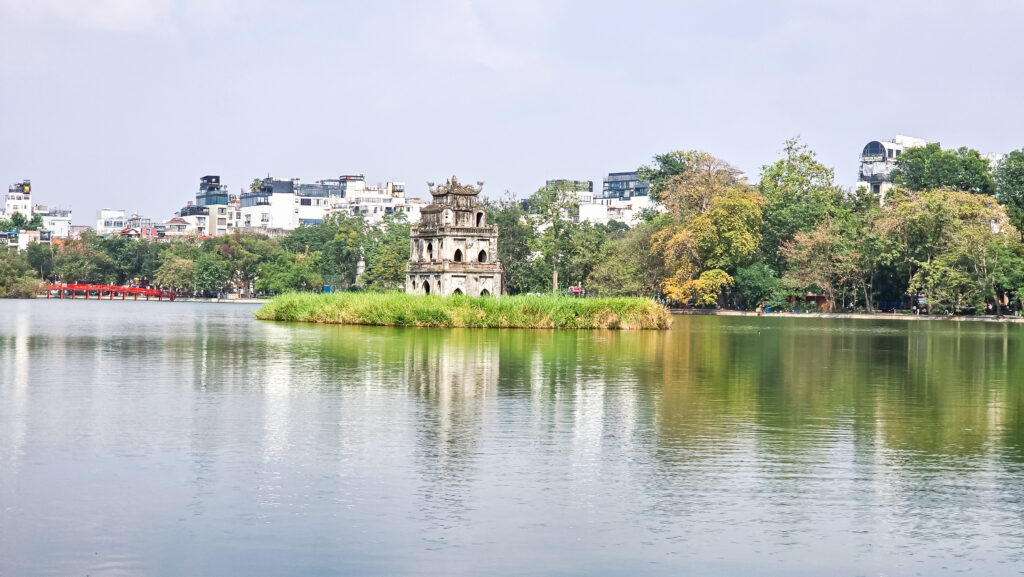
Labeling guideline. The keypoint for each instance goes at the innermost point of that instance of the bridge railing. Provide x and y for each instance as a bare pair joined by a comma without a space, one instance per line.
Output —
72,290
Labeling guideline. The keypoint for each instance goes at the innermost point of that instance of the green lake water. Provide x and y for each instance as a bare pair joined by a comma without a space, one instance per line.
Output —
190,439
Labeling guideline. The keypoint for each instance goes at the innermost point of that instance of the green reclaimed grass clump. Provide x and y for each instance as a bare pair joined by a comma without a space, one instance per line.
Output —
404,310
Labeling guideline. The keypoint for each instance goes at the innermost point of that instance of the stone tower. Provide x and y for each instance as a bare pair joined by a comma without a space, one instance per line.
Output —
453,249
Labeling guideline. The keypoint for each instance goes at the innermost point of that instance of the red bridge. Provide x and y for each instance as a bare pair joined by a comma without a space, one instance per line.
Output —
99,289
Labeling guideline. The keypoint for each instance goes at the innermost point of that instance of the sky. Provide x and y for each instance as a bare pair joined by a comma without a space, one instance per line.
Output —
127,103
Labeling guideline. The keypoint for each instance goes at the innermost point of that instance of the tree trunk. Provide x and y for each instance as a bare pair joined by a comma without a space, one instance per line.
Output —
554,276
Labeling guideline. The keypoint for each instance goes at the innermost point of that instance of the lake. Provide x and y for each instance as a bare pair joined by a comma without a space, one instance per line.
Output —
156,438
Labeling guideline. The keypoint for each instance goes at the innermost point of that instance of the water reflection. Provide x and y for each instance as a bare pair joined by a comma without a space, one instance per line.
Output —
14,360
454,375
723,446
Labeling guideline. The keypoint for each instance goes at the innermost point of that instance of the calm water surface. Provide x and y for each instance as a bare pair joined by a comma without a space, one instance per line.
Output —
189,439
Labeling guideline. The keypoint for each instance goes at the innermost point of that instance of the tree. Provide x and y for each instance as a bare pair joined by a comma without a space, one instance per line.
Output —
16,280
386,255
690,192
1009,183
666,166
550,210
799,195
176,274
40,258
814,262
930,167
83,260
243,254
515,236
586,250
290,272
756,284
341,255
19,221
722,238
210,273
956,247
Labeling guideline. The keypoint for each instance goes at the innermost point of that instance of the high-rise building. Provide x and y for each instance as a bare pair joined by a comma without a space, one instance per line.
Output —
19,199
623,186
211,191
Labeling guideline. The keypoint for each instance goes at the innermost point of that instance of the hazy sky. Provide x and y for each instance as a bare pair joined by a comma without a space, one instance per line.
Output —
126,103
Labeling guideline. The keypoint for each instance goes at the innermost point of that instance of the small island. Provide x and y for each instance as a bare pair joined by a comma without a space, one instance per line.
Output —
451,276
524,311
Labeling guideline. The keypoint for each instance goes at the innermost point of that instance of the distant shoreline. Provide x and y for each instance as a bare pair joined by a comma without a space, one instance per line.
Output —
864,316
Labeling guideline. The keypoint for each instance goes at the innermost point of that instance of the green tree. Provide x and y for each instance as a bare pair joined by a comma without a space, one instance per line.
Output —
387,253
290,272
930,167
176,274
515,237
756,285
1009,182
40,258
630,266
665,167
243,254
16,279
550,210
83,260
341,255
19,221
723,238
210,273
799,193
587,249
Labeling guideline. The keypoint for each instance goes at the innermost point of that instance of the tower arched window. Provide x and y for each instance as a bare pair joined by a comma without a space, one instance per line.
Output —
458,255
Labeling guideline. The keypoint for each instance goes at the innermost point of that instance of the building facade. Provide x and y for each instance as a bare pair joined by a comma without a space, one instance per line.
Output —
878,159
19,199
110,221
55,220
623,186
453,250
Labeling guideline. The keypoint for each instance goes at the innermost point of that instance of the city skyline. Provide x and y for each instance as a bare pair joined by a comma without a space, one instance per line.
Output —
124,104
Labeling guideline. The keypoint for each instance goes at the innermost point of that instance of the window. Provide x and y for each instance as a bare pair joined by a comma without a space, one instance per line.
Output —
890,153
305,202
482,257
458,255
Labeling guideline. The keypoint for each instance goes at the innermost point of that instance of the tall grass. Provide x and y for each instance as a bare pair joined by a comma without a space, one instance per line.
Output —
404,310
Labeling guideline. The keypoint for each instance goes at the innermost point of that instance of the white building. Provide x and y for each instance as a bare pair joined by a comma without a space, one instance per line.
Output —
19,199
878,159
110,221
287,204
624,210
55,220
618,200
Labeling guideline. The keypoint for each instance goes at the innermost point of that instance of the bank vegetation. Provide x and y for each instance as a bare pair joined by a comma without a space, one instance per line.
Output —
524,311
